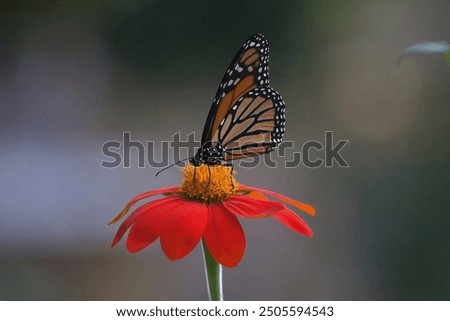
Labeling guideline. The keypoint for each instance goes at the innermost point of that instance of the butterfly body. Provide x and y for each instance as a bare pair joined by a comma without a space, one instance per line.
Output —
247,117
209,154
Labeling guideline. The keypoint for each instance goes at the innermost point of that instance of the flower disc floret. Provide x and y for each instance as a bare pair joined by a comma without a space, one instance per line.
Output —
208,184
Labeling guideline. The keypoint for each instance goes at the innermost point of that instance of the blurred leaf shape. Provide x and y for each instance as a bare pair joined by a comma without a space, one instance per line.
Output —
427,48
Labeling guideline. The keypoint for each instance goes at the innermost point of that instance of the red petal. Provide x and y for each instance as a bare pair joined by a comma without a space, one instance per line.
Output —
142,210
224,236
147,227
259,195
291,220
301,206
251,207
183,229
140,197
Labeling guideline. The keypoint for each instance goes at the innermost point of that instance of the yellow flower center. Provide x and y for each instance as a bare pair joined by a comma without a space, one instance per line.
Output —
208,184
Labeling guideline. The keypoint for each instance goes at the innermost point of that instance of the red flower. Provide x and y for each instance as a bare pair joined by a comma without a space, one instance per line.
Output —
206,206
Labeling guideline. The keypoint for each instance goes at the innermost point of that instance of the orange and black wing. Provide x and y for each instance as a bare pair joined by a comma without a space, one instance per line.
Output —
254,125
248,70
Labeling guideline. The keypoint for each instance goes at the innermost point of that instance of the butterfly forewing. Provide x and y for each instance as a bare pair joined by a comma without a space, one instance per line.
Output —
248,70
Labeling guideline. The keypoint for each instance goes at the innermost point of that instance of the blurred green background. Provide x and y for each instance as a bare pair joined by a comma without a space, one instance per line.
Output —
75,74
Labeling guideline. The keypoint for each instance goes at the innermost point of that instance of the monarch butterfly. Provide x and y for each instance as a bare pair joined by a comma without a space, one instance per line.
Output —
247,116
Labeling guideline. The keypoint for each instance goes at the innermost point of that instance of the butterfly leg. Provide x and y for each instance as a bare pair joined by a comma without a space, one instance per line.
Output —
209,177
231,175
195,174
231,166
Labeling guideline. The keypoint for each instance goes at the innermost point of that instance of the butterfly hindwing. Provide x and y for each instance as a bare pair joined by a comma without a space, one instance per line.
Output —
254,125
249,69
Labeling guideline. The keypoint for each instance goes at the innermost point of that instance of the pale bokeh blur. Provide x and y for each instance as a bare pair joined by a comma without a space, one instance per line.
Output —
74,75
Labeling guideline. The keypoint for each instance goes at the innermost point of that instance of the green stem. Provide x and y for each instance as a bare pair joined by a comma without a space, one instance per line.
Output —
213,272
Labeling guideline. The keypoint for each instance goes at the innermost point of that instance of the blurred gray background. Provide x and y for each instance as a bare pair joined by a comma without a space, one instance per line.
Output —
75,74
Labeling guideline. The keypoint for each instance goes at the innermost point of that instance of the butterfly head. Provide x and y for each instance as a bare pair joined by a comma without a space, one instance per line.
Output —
208,154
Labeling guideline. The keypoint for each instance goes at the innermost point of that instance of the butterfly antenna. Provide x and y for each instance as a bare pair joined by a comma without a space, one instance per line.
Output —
171,165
